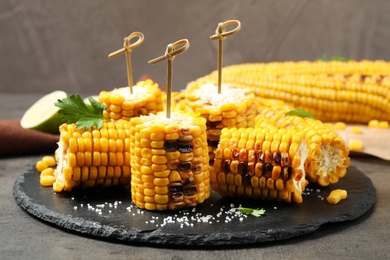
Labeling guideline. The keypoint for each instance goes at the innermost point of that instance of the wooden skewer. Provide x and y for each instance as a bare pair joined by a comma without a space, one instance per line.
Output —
220,35
127,48
171,51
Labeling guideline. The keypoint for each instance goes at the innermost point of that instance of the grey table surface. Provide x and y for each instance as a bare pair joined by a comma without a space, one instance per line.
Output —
23,236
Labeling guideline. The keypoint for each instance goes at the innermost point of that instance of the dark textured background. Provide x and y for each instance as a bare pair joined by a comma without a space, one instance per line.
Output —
50,45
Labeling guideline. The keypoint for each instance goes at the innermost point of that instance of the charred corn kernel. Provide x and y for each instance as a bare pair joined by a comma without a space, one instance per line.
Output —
324,151
178,176
355,145
92,157
340,126
336,195
352,91
121,104
228,109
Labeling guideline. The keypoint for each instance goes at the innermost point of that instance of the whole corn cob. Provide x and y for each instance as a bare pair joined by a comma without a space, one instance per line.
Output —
363,67
352,91
231,108
121,104
326,154
259,163
169,161
93,157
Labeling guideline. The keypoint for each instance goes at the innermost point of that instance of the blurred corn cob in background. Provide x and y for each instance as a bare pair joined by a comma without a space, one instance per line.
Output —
93,157
231,108
349,91
169,161
121,104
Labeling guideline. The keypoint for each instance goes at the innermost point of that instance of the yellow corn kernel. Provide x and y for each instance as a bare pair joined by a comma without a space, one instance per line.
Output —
50,160
47,171
41,165
356,130
383,124
336,195
355,145
373,123
340,126
46,180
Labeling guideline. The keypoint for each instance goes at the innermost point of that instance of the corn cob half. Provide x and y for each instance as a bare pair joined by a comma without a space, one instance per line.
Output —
169,161
352,91
121,104
258,163
94,157
326,154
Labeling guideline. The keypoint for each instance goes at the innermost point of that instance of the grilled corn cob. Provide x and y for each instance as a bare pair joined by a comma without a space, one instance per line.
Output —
169,161
121,104
93,157
353,91
231,108
259,163
326,153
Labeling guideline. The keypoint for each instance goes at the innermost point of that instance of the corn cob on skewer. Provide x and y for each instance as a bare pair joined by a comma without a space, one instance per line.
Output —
353,91
258,163
231,108
327,154
146,98
169,161
94,157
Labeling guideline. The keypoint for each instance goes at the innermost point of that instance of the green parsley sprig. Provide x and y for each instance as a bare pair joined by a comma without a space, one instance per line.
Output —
74,110
326,57
254,212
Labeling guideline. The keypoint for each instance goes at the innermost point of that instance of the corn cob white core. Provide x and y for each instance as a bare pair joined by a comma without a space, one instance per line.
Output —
61,158
303,152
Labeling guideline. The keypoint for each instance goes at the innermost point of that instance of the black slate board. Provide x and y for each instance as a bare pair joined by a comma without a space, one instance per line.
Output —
110,214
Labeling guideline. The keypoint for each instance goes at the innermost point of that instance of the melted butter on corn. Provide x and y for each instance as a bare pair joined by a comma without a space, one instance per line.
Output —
121,104
208,95
139,92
